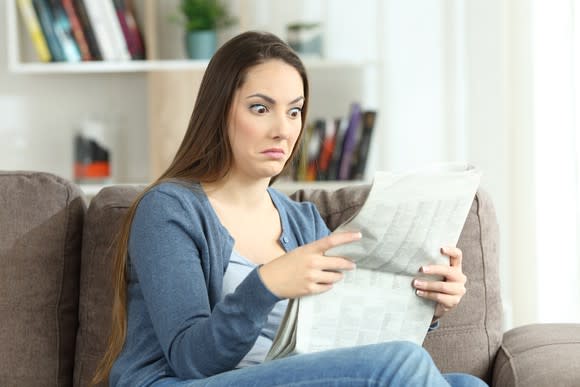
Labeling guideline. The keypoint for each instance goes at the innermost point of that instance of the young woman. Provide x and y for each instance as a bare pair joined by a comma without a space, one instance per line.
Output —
210,253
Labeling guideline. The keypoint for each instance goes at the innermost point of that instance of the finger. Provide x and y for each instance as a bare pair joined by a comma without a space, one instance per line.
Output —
450,288
333,263
328,277
446,300
451,274
317,288
455,255
335,239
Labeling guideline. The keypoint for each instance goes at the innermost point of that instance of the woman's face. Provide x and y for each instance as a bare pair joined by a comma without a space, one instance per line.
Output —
265,119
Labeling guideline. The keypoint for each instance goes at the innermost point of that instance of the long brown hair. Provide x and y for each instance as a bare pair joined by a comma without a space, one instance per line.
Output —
205,153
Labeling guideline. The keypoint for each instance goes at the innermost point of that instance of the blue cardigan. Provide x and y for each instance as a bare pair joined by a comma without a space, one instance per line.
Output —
178,253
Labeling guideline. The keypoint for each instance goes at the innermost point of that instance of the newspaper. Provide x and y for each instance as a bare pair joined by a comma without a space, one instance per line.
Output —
405,220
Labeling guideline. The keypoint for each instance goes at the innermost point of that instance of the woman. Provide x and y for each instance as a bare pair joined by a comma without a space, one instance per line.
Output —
210,254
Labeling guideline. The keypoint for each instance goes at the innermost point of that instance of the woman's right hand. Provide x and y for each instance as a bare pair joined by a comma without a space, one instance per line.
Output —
306,270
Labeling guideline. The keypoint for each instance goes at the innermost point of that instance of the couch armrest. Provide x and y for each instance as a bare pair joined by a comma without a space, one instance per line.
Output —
539,355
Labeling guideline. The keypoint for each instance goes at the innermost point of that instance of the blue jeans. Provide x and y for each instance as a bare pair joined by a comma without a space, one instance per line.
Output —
386,364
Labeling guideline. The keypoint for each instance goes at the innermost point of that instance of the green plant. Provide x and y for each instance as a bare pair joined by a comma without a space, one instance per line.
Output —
203,15
299,26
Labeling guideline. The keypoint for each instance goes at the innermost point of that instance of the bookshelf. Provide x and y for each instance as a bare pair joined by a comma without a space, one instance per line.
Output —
145,66
168,76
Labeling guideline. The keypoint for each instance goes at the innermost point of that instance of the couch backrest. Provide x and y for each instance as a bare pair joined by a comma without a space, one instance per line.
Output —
41,220
467,340
103,220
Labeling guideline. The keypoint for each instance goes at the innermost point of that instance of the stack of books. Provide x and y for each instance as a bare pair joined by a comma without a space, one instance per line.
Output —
83,30
336,149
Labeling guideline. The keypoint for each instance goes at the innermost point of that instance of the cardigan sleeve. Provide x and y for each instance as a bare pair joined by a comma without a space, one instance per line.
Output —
167,247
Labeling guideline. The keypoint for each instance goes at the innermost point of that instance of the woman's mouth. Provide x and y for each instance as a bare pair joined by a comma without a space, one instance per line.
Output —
274,153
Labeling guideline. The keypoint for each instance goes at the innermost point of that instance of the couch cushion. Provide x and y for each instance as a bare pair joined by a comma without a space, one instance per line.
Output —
41,218
469,336
103,220
539,355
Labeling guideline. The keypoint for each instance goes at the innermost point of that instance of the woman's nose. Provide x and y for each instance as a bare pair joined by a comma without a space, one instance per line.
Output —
282,128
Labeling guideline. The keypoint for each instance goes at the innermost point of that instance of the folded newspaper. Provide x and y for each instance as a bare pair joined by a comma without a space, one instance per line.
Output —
405,220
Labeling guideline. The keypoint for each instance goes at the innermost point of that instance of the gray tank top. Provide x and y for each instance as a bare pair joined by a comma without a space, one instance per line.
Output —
238,268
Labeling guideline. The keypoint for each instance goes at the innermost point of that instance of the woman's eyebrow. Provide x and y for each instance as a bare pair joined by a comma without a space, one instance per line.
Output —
272,100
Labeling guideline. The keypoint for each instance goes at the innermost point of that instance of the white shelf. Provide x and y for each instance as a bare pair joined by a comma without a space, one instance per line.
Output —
136,66
139,66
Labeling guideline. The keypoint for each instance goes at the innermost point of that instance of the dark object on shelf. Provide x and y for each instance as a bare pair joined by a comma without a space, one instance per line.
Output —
92,161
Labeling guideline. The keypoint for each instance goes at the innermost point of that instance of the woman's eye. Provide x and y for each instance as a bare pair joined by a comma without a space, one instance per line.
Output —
259,108
295,112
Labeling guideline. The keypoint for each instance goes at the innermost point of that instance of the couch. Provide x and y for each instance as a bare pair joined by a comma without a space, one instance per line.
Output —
55,290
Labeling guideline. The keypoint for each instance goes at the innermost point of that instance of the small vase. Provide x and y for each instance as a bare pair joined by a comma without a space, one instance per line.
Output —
200,44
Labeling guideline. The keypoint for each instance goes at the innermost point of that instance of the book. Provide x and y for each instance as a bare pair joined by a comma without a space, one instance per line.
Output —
88,31
405,220
131,32
114,29
340,125
101,14
350,141
46,20
63,31
34,30
77,30
326,149
360,157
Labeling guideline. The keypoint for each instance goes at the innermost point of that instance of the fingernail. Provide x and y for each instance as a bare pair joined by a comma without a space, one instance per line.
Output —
420,292
419,283
358,235
425,269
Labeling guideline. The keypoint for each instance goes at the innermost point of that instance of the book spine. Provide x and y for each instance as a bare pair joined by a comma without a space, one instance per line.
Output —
130,29
333,167
115,31
99,24
77,29
368,119
46,22
85,22
34,29
63,30
326,150
135,32
349,142
120,11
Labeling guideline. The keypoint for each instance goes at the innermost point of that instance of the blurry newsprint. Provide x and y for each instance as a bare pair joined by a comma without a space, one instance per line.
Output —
404,222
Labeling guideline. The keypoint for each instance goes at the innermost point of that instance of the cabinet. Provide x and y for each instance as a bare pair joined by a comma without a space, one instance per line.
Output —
171,81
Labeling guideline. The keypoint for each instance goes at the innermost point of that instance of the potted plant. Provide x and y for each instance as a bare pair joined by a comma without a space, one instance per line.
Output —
201,19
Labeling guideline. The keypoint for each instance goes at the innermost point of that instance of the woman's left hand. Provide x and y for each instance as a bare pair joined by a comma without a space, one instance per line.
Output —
447,292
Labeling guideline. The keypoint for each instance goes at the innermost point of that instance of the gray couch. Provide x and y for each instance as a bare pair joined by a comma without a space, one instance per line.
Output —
55,293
